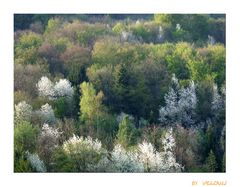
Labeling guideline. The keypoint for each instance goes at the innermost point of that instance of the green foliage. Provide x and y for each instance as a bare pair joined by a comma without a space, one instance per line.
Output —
90,102
215,56
25,51
97,122
177,62
62,163
22,165
205,95
211,163
141,32
112,52
119,27
87,36
105,128
60,107
127,134
25,139
52,25
25,136
194,27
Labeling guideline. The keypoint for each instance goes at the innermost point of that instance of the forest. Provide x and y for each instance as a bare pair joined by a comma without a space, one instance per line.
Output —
119,93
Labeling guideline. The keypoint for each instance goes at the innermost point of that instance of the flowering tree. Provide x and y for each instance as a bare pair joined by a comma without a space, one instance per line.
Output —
125,161
145,158
169,158
154,161
149,157
85,153
45,87
47,142
47,114
218,101
23,111
62,88
180,105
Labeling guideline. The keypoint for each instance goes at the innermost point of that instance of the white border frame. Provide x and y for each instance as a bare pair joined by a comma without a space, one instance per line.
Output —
7,10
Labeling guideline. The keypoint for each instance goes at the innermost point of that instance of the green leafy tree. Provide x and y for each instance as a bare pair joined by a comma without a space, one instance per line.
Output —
90,102
26,48
177,62
211,162
119,27
127,133
25,137
93,113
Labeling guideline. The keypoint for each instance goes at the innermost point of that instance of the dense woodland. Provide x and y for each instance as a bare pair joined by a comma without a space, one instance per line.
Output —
119,93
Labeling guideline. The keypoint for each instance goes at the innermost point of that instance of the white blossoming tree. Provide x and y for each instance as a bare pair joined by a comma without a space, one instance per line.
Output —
63,88
218,101
169,159
154,161
85,153
47,88
47,114
47,142
145,158
180,105
151,159
23,111
125,161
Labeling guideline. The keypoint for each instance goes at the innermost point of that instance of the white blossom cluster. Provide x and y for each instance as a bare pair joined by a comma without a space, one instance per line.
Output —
76,144
48,140
145,158
47,88
36,163
142,158
149,157
48,131
160,36
23,111
180,105
125,161
169,159
178,27
63,88
47,114
211,40
218,101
